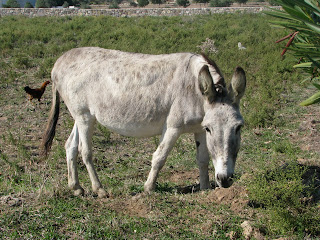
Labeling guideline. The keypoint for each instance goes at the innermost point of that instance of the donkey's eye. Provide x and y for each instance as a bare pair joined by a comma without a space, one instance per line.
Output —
207,129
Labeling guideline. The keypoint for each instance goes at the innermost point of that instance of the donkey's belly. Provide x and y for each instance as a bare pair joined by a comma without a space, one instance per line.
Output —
135,129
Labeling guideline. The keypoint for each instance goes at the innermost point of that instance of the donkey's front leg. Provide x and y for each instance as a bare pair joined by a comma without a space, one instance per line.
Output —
168,139
203,159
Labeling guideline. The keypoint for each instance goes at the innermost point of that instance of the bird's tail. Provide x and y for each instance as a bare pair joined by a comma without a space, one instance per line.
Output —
51,124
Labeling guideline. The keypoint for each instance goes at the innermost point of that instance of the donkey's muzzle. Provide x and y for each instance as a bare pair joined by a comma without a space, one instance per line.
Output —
224,181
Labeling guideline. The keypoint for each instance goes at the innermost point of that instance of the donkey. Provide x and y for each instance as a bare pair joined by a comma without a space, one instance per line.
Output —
143,95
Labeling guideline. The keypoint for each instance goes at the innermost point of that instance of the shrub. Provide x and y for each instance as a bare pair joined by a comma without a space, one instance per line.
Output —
133,3
28,5
65,4
201,1
241,1
41,4
157,1
84,5
220,3
114,5
12,4
143,3
272,3
282,193
183,3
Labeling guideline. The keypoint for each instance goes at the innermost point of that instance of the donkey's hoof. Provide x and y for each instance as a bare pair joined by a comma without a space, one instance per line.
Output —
78,192
148,188
102,193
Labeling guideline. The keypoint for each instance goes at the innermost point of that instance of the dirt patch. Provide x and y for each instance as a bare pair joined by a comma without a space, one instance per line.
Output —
309,130
307,135
236,196
182,176
134,206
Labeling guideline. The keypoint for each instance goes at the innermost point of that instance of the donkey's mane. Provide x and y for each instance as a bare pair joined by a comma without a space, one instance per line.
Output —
211,63
220,86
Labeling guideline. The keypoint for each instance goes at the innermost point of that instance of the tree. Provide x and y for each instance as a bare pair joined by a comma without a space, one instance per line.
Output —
41,4
114,5
133,3
12,4
28,5
302,18
183,3
220,3
201,1
241,1
51,3
157,1
85,5
65,4
143,3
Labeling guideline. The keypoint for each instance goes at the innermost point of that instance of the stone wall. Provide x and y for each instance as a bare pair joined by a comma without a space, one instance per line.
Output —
125,12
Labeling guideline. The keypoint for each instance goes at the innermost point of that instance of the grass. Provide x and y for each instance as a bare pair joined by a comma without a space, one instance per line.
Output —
35,200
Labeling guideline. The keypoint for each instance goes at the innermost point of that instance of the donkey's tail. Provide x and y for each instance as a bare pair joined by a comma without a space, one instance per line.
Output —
52,123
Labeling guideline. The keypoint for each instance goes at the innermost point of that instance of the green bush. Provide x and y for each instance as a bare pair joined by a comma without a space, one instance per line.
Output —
114,5
65,4
143,3
281,192
12,4
241,1
41,4
133,3
220,3
200,1
84,6
28,5
183,3
157,1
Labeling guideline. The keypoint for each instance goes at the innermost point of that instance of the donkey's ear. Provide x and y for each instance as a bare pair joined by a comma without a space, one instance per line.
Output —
238,85
206,84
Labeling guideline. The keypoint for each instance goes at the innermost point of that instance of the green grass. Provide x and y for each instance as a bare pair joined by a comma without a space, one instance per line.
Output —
47,209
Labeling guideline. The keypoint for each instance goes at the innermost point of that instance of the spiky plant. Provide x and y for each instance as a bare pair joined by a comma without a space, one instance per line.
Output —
302,17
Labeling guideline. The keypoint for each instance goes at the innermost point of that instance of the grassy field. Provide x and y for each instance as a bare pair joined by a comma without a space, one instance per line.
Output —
276,193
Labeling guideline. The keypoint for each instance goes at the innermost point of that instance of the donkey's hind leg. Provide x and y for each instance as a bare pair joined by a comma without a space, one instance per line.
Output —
72,146
86,127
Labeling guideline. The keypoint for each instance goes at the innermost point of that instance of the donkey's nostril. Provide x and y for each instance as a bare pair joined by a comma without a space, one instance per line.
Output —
224,180
222,177
218,177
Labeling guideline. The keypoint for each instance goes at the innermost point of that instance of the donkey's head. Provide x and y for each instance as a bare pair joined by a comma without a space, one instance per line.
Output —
222,121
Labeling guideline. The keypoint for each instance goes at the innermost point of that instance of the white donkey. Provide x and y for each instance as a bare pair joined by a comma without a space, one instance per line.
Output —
144,95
